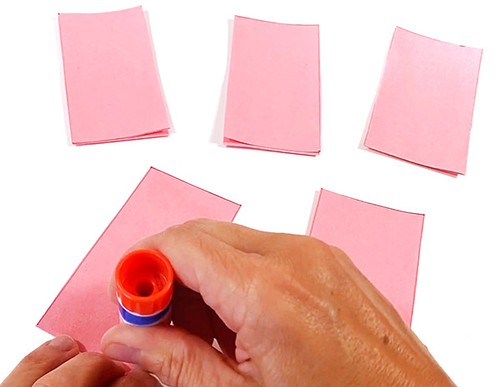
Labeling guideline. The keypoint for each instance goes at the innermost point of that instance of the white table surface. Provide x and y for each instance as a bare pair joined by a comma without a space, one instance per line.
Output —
56,199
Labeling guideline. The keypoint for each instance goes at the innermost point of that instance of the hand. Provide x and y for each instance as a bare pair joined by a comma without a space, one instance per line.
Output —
59,363
301,311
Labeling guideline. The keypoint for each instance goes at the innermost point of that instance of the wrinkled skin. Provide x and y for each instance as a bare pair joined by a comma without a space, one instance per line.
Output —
59,362
286,310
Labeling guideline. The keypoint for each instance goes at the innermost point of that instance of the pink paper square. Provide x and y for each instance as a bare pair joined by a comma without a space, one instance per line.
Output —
83,308
424,107
273,94
383,243
112,84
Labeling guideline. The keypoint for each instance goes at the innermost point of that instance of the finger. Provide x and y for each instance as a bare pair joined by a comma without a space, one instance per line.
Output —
222,274
136,378
189,311
87,369
42,360
276,246
244,238
175,356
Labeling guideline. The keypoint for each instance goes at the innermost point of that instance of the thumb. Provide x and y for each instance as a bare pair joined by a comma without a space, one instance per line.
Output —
175,356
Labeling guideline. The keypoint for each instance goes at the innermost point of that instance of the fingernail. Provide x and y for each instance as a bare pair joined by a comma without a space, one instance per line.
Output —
62,343
124,366
123,353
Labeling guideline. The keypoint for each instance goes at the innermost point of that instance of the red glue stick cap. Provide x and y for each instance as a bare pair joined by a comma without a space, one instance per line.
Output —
144,281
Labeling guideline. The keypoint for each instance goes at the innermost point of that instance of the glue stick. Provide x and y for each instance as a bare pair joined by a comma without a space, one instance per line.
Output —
144,287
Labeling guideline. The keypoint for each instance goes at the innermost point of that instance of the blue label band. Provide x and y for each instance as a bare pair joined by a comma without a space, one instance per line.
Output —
143,321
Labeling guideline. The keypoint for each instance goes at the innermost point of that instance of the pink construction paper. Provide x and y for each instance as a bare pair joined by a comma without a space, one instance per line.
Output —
83,308
273,93
424,107
382,242
112,84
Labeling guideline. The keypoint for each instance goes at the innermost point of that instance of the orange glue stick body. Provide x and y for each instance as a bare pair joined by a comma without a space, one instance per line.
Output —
144,287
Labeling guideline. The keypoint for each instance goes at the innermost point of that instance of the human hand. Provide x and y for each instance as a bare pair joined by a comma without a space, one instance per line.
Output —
301,311
59,363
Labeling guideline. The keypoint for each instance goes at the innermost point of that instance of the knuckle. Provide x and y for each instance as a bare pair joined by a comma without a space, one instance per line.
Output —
190,225
182,231
193,225
170,368
181,365
35,359
318,253
91,356
314,244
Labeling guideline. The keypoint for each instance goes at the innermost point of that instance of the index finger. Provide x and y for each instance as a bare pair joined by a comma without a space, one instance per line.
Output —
85,369
248,239
42,360
221,273
244,239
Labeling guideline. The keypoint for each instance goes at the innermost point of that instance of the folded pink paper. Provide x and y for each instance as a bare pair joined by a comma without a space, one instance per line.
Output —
83,308
273,93
112,84
383,243
424,107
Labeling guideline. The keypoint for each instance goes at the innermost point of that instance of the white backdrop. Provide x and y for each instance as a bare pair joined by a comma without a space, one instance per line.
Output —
56,199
